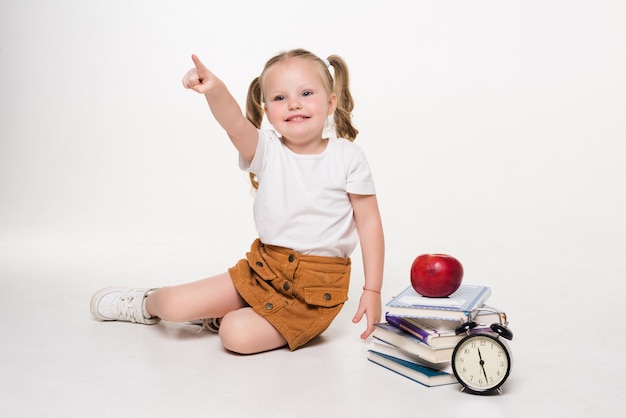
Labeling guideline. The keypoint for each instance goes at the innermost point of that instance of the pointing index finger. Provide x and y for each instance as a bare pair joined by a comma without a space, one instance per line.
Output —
196,61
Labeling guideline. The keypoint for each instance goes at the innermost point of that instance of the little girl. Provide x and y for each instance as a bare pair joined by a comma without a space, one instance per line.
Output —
315,199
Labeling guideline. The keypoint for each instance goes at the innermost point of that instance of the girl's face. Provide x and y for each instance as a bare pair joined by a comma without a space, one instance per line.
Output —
297,104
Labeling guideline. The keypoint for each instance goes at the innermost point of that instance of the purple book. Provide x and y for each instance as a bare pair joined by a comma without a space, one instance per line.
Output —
425,331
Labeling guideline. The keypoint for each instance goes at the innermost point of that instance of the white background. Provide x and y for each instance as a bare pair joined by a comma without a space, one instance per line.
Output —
495,129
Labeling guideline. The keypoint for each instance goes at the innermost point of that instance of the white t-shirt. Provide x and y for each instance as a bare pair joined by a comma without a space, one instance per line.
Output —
302,202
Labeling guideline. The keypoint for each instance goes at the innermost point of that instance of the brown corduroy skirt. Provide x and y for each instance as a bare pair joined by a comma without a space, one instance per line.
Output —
298,294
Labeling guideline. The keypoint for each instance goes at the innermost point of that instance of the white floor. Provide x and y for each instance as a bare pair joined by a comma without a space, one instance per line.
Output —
56,361
495,131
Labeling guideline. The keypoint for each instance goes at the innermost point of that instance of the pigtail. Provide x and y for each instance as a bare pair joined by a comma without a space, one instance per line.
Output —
345,103
254,113
254,107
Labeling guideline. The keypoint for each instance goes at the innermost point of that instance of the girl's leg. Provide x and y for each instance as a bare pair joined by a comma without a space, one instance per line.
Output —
208,298
244,331
241,330
213,297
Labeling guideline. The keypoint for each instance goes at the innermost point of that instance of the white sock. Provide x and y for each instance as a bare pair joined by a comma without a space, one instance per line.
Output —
144,311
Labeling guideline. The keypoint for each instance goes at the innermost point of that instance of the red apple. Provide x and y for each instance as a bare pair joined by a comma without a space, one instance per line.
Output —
436,275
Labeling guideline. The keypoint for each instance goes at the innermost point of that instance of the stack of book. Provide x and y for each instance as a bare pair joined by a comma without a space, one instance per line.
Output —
418,337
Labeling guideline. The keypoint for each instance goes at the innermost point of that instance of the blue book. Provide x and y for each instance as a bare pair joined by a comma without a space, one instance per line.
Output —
457,306
411,370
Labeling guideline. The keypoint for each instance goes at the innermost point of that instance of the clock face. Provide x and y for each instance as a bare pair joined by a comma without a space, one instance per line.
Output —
481,362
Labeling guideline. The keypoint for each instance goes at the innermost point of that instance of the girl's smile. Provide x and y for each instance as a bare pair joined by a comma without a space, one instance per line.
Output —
297,118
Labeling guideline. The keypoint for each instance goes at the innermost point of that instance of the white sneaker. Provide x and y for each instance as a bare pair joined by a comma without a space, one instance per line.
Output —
212,324
121,304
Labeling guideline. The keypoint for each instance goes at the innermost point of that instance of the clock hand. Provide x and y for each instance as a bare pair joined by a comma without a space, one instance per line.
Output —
482,364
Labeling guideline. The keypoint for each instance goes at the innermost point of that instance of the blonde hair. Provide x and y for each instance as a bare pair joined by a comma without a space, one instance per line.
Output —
339,84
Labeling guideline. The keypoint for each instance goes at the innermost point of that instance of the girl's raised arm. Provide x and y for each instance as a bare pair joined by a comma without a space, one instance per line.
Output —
224,108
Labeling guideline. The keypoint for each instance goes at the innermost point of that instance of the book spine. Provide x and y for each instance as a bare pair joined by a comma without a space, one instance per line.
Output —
416,323
403,325
437,315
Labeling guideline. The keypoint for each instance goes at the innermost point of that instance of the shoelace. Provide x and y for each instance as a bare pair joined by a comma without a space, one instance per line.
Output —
212,324
125,308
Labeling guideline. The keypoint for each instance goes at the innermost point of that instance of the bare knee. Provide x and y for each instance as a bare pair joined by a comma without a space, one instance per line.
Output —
243,334
233,334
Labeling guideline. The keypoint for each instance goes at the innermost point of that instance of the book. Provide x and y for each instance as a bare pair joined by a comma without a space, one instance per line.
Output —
457,306
410,344
391,350
439,332
434,337
414,371
485,316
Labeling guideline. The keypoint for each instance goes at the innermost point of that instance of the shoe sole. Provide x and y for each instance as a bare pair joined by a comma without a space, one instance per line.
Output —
95,301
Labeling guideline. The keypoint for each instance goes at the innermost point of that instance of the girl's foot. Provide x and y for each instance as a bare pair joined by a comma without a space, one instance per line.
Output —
212,324
121,304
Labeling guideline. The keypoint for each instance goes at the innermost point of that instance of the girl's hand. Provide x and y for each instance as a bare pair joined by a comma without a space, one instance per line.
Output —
199,78
371,306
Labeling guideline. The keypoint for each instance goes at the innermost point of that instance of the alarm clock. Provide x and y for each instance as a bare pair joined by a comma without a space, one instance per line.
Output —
482,360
